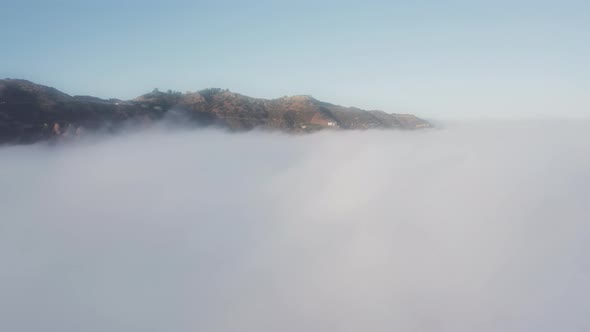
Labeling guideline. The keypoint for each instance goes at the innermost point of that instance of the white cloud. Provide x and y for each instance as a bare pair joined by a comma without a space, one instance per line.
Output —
474,227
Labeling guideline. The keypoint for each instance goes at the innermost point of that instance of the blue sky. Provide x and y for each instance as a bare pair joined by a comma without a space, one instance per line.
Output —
434,58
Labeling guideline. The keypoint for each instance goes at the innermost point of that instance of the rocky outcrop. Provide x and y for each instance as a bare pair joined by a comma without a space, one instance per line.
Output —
30,112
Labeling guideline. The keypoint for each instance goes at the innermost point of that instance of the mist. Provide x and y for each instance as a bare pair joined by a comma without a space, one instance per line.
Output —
474,226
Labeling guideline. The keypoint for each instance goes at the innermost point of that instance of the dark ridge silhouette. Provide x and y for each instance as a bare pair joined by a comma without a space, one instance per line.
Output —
31,112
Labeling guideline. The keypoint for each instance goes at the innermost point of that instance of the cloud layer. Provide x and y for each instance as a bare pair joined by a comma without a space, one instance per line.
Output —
473,227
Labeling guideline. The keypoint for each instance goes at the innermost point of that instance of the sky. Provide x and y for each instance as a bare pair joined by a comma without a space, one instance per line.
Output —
432,58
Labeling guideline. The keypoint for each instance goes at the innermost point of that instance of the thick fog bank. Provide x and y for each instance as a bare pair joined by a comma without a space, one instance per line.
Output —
473,227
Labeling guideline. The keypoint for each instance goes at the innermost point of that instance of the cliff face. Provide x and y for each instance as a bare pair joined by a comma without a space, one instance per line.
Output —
30,112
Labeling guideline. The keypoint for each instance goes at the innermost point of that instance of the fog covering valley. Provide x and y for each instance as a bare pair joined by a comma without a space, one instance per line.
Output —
472,226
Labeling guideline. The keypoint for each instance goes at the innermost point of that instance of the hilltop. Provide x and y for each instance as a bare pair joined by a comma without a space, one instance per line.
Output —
31,112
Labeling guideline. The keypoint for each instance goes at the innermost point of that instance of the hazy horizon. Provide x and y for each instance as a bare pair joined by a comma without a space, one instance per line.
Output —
126,217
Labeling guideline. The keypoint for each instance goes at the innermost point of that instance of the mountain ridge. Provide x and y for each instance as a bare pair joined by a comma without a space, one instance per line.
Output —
31,112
